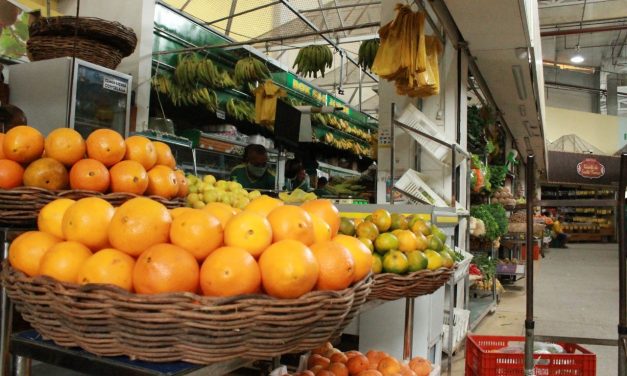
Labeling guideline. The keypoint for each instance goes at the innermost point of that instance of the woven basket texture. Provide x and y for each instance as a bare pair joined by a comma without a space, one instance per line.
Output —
390,286
50,47
108,321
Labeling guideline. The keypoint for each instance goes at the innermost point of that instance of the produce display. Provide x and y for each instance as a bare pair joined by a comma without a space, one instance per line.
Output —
104,162
313,59
250,69
297,196
504,197
401,244
205,190
494,218
282,250
367,53
329,361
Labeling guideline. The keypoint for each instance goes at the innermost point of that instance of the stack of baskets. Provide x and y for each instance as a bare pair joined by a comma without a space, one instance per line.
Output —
98,41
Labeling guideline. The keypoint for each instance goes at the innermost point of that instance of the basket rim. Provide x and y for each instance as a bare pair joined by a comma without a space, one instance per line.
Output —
419,273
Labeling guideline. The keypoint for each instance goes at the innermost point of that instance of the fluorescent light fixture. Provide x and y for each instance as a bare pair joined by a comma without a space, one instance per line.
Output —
577,57
523,110
520,84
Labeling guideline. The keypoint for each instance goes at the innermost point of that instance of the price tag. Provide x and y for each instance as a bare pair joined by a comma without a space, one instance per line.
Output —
220,114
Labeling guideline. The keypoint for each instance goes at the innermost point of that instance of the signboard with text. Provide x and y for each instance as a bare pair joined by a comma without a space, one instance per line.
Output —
584,169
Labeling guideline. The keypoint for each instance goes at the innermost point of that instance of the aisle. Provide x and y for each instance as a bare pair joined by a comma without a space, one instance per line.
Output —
576,295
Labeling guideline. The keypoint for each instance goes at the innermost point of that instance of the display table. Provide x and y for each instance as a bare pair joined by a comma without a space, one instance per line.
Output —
29,345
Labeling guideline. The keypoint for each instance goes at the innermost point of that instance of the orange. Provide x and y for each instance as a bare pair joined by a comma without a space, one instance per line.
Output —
63,261
337,268
369,372
421,366
220,210
250,231
389,366
325,210
374,357
352,353
108,266
182,184
361,255
357,364
91,175
229,271
198,232
106,146
86,222
325,372
322,230
338,369
23,144
367,230
407,241
162,182
291,222
50,218
1,148
327,346
422,243
142,150
406,371
139,223
129,177
305,373
11,174
263,205
27,250
46,173
338,357
164,154
316,369
288,269
165,268
65,145
382,218
318,360
178,211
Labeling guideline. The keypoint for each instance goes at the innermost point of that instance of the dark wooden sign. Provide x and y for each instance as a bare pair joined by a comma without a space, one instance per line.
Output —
583,169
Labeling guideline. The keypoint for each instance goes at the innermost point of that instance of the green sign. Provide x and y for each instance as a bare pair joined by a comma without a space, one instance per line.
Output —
304,88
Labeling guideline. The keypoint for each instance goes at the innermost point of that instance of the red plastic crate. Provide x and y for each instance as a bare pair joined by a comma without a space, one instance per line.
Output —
482,360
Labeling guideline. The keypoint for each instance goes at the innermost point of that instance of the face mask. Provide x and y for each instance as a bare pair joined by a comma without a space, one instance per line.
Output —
256,171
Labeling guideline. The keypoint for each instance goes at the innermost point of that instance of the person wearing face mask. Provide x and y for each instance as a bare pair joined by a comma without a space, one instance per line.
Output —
253,173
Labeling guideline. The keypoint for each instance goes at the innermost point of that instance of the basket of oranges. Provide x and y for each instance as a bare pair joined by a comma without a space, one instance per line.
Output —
35,170
197,285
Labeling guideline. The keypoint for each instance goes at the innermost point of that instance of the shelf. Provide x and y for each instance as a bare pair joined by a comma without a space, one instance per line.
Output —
479,309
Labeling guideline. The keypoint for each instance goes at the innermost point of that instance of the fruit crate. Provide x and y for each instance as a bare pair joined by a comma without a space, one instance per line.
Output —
461,319
483,359
462,266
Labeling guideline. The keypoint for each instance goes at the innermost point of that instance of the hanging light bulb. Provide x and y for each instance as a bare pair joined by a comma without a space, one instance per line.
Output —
577,57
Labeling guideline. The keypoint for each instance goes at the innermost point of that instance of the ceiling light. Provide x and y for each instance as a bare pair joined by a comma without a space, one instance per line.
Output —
577,57
519,81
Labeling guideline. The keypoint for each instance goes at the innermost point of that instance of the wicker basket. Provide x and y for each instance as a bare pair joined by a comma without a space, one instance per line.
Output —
108,321
50,47
20,206
390,286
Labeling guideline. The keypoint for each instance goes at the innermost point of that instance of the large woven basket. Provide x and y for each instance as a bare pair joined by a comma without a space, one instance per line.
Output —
108,321
390,286
20,206
50,47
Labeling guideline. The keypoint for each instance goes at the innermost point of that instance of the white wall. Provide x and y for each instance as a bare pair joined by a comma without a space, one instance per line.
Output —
601,131
568,97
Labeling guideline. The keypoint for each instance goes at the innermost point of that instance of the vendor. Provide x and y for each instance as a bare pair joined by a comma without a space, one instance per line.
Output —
253,173
295,176
321,189
559,235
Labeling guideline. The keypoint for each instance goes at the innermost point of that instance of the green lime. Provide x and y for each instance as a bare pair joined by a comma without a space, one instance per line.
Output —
368,243
433,242
367,230
417,261
347,226
399,222
377,263
385,242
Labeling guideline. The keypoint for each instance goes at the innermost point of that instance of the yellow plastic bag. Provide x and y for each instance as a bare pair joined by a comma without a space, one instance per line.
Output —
266,96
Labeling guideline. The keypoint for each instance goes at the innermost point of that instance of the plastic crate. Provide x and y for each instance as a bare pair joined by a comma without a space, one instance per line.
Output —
483,360
414,118
412,183
461,319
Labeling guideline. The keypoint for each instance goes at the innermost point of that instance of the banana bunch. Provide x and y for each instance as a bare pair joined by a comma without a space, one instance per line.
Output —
240,110
249,70
297,196
225,80
161,84
194,97
318,119
185,73
367,52
313,59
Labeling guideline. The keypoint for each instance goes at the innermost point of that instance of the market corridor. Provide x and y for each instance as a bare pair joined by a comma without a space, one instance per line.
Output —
576,295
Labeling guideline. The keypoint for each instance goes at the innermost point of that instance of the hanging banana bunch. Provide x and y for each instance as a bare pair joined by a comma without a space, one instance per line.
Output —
313,59
240,110
250,69
367,52
161,84
185,73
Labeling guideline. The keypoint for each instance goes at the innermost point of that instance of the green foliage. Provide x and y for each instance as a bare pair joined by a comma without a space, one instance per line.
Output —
494,217
500,217
497,176
486,264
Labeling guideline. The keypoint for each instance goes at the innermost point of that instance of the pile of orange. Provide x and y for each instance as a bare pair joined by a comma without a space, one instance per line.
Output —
105,162
141,246
329,361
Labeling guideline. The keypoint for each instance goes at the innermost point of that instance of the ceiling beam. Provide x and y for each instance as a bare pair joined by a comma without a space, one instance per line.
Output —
340,7
583,31
344,40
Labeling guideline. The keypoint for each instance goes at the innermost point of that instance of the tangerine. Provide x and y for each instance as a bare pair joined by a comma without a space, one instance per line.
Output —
325,210
421,366
263,205
322,230
368,230
86,222
65,145
27,250
63,261
164,154
338,357
229,271
182,183
50,218
357,364
318,360
91,175
162,182
361,255
11,174
337,268
129,177
250,231
220,210
374,357
382,219
198,232
291,222
338,369
23,144
106,146
46,173
389,366
139,223
178,211
165,268
142,150
370,372
288,269
1,148
108,266
322,349
407,241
